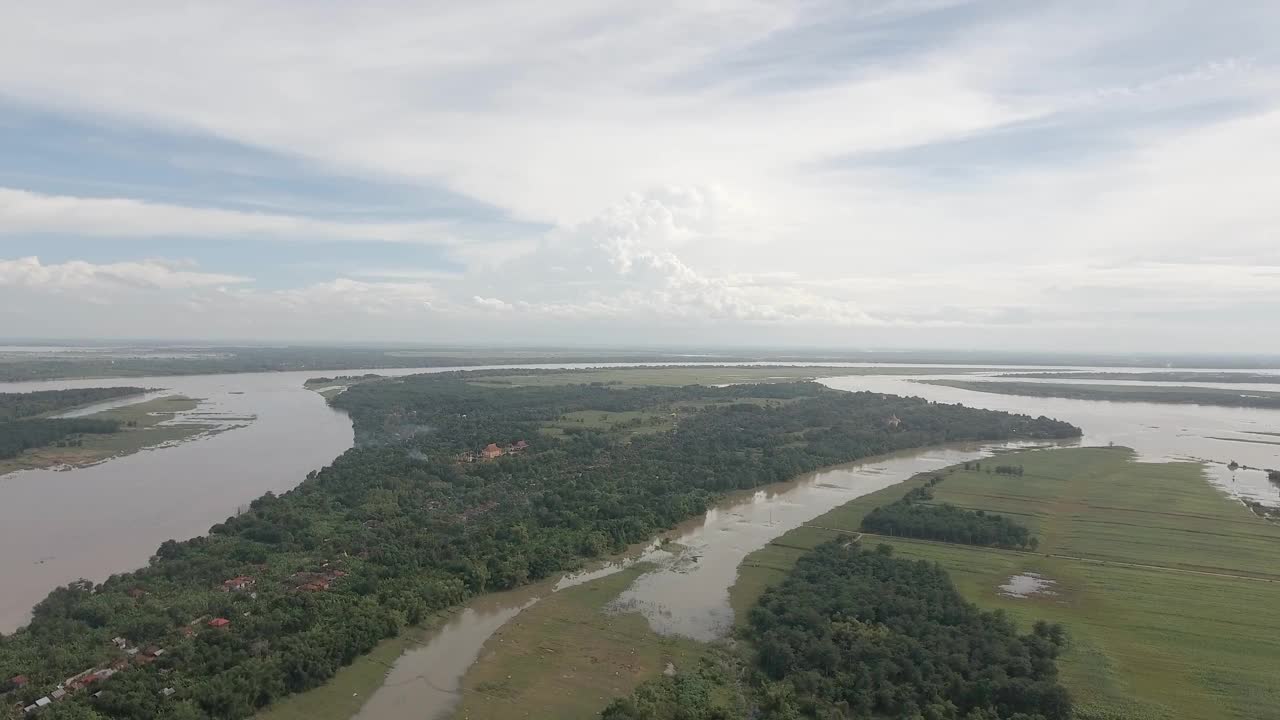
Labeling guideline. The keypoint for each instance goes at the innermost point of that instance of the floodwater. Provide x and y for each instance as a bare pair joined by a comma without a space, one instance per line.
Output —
1026,585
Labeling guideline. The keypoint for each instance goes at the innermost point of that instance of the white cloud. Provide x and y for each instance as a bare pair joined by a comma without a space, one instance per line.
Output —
23,213
794,167
29,272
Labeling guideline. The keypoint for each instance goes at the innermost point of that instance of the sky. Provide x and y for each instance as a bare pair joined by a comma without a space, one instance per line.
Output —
1083,176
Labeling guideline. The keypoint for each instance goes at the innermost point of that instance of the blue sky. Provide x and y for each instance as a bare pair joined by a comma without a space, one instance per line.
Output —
932,173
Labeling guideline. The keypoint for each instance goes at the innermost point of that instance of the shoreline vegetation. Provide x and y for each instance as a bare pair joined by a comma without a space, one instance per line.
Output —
117,432
276,600
1122,393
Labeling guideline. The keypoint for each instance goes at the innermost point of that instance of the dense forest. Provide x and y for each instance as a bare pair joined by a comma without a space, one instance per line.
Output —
18,436
915,516
856,633
275,600
14,406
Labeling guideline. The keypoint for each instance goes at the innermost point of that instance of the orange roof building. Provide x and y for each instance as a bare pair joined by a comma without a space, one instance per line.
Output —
491,451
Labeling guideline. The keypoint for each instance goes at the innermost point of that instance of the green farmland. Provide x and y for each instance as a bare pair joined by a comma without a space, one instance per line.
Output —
1170,590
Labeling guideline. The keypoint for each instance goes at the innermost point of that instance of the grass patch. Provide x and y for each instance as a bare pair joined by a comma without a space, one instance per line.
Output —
1168,588
568,656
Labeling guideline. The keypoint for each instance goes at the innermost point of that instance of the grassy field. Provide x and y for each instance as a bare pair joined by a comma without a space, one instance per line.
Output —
568,656
1170,590
146,432
1186,395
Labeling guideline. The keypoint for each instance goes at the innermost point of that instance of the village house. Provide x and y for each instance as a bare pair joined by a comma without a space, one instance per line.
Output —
491,451
219,623
519,446
240,583
19,681
136,593
894,421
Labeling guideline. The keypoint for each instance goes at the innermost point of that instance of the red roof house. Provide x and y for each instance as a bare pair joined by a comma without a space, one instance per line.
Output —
219,623
19,681
491,451
237,584
520,446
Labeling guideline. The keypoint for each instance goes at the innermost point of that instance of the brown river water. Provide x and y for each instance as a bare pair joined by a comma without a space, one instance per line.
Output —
90,522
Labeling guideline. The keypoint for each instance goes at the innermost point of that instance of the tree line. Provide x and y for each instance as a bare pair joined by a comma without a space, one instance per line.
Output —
399,528
916,516
14,406
18,436
853,632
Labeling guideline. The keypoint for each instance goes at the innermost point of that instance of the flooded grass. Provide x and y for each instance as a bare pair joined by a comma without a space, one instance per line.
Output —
1168,589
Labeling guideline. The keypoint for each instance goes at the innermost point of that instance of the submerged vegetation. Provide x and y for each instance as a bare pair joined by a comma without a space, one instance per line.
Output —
275,600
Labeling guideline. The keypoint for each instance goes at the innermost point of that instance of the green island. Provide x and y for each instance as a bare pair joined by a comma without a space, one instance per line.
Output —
30,438
458,486
1122,393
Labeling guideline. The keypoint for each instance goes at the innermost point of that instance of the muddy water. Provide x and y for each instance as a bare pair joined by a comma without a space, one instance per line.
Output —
428,676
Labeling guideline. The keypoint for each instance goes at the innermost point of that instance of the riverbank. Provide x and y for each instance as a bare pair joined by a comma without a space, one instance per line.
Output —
1169,590
143,425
